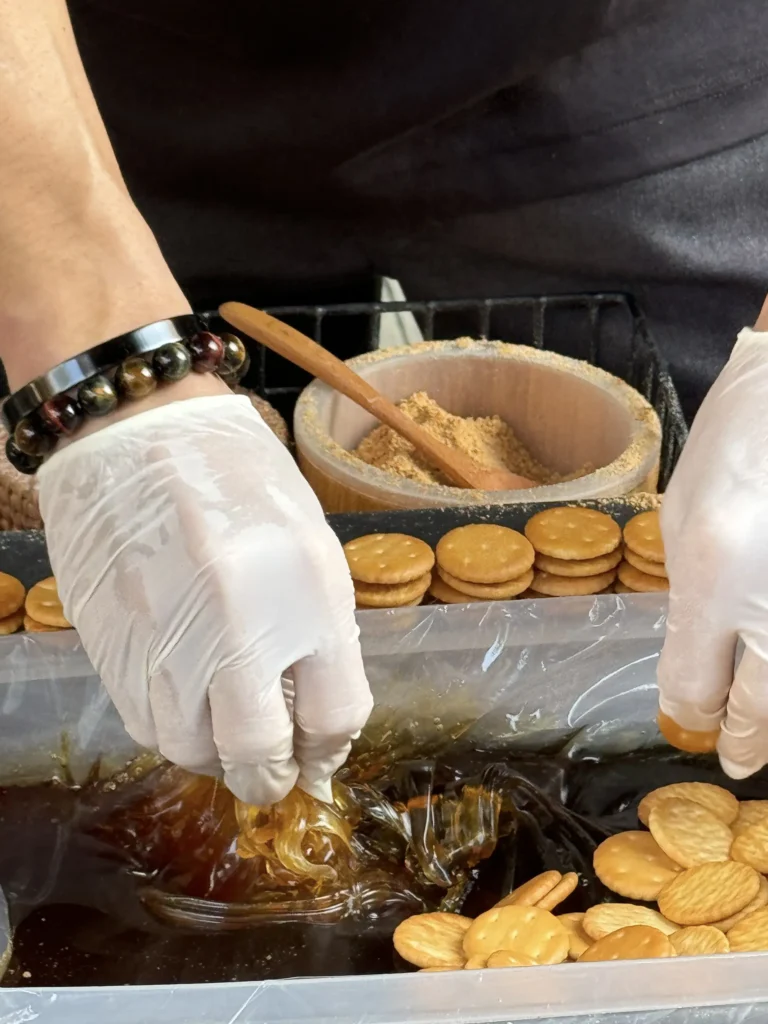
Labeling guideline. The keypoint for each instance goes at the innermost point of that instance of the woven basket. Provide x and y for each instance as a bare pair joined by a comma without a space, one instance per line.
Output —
19,509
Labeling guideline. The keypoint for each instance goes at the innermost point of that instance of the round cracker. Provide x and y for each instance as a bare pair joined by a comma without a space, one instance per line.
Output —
31,626
605,918
484,553
750,813
488,591
751,934
511,958
751,847
371,607
529,893
384,595
389,558
571,586
432,940
433,970
689,833
441,592
579,566
560,892
529,930
580,941
11,595
699,940
649,568
709,892
689,740
715,799
635,942
641,582
44,605
761,900
476,963
573,533
12,623
633,865
642,534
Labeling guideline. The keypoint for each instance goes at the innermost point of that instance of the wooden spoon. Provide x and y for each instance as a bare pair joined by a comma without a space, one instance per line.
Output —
301,350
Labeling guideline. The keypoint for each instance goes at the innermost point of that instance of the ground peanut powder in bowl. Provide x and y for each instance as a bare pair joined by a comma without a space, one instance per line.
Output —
488,441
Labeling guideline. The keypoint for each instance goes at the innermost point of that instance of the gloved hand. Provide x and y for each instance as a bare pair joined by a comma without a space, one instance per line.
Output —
196,564
715,525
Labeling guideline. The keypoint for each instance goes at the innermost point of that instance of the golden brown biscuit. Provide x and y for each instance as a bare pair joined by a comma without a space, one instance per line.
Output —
383,595
708,893
649,568
31,626
43,604
511,958
529,893
635,942
484,553
560,893
715,799
751,934
699,940
432,940
579,940
689,834
11,595
641,582
389,558
633,865
609,917
642,534
537,933
687,739
573,533
570,586
12,623
444,594
488,591
578,567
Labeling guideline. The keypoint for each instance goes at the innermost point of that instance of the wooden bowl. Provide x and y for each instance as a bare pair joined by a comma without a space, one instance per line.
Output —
566,412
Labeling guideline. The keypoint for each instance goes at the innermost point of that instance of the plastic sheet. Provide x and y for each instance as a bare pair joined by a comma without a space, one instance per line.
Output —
507,677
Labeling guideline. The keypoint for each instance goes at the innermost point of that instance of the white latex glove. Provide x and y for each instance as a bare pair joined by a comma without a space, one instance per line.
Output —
196,564
715,525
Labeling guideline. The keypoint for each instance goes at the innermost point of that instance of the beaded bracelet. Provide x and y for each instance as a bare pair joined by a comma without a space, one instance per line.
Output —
93,383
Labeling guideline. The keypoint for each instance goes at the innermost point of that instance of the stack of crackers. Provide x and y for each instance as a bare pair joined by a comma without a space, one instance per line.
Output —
702,862
577,551
481,562
389,570
643,569
38,611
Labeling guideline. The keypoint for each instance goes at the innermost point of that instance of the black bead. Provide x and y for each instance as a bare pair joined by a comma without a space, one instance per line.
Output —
172,362
24,463
61,415
97,397
33,437
207,351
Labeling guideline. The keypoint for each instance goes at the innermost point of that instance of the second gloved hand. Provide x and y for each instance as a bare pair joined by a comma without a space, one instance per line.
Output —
197,566
714,519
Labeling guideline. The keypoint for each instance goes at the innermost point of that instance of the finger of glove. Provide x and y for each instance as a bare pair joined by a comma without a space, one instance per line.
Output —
332,704
253,734
743,744
695,667
182,722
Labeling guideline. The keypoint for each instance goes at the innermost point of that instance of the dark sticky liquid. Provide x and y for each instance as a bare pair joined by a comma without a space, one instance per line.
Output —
74,863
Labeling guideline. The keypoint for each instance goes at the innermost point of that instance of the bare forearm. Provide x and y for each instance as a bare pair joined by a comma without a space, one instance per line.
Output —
77,262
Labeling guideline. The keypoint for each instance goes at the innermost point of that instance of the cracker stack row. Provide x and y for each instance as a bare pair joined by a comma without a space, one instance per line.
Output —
643,569
481,562
38,611
577,551
389,570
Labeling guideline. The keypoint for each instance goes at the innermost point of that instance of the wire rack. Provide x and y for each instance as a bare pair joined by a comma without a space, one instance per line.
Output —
607,330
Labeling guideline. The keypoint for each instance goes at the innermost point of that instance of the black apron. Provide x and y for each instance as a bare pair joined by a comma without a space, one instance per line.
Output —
288,152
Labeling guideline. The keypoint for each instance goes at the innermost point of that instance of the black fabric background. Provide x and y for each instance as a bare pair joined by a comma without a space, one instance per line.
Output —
468,147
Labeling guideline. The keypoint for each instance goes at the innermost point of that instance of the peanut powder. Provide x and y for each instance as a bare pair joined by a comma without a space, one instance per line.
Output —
489,441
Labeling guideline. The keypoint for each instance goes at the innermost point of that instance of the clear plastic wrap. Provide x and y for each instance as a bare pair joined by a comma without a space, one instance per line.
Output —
502,678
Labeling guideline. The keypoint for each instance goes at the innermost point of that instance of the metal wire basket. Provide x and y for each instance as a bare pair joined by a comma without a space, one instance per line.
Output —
607,330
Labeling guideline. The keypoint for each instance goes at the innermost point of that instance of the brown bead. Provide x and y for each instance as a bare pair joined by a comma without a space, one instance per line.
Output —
135,378
97,396
61,414
207,351
33,438
235,354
